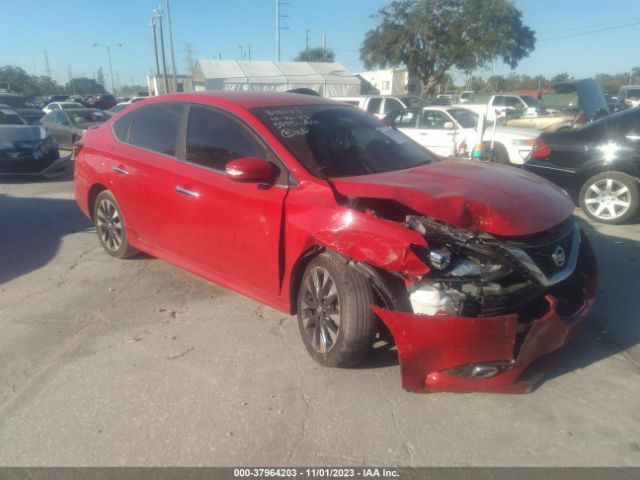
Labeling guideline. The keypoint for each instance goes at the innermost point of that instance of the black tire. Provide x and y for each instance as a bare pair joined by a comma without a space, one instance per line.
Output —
500,154
610,197
346,296
110,226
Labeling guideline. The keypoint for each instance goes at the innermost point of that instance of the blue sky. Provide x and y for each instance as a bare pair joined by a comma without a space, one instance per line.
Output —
68,28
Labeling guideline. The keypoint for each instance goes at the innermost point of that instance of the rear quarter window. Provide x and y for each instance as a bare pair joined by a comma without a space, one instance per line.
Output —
156,127
121,127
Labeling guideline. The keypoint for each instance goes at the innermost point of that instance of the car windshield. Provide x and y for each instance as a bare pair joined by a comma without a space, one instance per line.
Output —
633,93
530,101
88,116
9,117
412,102
465,117
335,141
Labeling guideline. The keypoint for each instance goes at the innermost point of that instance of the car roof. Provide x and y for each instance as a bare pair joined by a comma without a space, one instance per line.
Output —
247,100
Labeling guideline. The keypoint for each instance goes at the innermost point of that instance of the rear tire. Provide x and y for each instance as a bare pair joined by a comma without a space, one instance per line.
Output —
336,324
111,227
500,154
610,197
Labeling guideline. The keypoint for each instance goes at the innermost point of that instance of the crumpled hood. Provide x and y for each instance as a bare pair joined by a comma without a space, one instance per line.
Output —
480,197
22,133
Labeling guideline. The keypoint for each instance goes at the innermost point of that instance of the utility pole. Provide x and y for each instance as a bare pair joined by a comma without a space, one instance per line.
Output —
46,63
113,83
324,41
241,52
279,15
306,39
164,59
249,52
71,82
173,58
188,57
155,51
108,47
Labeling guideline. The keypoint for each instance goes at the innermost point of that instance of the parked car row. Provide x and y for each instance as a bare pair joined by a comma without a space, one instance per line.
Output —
26,149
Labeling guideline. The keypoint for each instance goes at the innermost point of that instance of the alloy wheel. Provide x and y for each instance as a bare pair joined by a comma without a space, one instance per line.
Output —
608,199
320,310
109,225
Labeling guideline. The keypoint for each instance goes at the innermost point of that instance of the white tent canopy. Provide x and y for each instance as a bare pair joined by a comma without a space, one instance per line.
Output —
328,79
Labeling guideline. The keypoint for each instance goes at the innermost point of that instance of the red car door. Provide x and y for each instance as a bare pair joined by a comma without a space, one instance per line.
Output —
141,167
223,227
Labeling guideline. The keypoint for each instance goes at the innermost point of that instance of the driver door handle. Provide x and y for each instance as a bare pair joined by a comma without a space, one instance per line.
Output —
120,170
184,191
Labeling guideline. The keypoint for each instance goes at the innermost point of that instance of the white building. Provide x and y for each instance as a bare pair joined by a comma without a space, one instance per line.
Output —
184,83
393,81
328,79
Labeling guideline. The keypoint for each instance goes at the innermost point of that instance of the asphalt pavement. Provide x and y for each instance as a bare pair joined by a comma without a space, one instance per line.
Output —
107,362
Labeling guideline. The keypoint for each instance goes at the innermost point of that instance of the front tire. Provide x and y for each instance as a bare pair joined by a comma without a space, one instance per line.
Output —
336,324
610,197
111,227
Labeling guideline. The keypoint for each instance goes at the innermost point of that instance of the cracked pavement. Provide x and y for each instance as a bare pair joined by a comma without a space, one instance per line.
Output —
106,362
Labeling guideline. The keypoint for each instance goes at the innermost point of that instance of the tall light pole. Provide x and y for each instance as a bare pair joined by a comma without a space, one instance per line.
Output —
155,51
173,58
108,47
164,61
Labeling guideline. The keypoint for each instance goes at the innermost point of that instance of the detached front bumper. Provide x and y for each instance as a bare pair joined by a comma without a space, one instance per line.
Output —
437,352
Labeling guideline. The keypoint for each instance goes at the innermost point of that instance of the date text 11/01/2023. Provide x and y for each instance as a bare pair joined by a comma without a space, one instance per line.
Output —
316,472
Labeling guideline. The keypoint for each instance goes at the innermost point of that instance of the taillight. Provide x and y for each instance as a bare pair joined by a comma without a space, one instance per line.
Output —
540,149
76,148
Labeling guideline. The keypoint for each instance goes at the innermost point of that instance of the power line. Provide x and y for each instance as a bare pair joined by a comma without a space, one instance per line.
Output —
569,29
590,32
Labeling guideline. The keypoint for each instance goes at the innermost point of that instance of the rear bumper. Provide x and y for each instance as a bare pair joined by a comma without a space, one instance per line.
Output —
434,349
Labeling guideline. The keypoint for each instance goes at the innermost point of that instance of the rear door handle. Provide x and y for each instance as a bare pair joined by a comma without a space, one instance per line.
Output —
120,170
184,191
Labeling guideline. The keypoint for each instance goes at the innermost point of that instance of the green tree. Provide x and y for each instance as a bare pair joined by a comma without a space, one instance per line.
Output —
29,85
561,77
432,36
83,86
316,54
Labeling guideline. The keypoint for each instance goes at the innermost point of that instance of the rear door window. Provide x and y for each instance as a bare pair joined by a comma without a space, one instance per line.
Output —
392,105
374,105
156,128
407,119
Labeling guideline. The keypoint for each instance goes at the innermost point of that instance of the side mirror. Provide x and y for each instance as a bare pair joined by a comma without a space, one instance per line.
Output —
449,126
250,170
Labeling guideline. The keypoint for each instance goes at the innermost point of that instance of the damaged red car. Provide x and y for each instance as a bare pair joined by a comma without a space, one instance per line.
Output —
478,271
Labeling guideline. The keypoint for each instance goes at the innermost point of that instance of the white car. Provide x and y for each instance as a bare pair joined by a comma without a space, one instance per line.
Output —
448,131
62,106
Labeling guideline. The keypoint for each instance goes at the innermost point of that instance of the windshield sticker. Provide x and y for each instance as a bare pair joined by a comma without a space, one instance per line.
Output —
290,123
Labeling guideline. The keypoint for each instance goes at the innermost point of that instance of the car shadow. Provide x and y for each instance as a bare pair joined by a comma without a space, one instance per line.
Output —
65,176
31,232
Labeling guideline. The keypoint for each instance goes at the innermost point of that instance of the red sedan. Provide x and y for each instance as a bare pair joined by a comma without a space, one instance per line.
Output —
478,271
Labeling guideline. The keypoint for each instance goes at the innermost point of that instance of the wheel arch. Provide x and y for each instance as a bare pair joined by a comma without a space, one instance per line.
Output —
623,166
387,288
94,191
